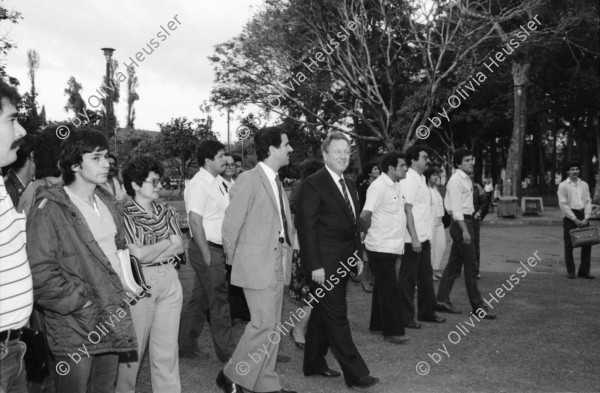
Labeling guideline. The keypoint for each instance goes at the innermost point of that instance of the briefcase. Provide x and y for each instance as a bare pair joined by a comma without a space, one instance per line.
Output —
581,237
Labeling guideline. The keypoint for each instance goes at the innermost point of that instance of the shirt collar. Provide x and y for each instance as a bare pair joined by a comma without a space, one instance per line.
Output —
135,209
575,183
12,176
415,174
3,193
207,175
271,175
335,176
386,179
462,174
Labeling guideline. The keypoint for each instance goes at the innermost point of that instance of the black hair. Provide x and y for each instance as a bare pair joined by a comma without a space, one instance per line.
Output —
79,142
430,171
265,138
9,93
23,154
236,158
368,167
137,170
208,150
391,160
110,155
46,152
309,166
458,156
572,164
413,153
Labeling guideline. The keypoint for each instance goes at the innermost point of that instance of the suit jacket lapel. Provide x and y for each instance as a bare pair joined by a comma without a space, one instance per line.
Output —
267,185
335,190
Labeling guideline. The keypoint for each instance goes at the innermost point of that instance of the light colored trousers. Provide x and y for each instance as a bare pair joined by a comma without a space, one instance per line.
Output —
438,245
156,322
252,364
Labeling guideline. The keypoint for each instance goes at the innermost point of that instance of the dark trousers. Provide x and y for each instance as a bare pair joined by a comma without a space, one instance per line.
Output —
91,374
460,254
476,237
328,326
416,267
586,252
210,294
385,313
13,377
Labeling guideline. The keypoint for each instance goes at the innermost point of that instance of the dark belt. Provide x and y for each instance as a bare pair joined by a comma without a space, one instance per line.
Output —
215,245
10,334
468,216
167,262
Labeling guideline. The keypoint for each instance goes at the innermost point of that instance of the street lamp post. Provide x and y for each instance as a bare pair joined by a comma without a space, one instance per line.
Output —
108,52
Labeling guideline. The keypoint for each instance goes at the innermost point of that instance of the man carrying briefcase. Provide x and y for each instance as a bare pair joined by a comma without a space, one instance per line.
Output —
576,205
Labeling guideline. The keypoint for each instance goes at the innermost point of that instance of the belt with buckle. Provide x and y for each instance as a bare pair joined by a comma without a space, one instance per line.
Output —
10,335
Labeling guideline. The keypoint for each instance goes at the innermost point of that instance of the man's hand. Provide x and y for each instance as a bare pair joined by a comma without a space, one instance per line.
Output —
416,245
466,237
318,276
206,257
578,223
585,222
360,266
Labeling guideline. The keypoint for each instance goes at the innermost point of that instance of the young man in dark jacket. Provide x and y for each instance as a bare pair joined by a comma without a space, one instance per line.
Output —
74,233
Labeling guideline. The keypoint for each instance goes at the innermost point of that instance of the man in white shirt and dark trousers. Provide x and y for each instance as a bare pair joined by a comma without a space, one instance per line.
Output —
416,262
459,201
576,206
206,198
384,221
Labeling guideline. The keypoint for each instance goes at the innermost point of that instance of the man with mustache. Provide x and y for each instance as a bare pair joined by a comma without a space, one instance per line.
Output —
16,294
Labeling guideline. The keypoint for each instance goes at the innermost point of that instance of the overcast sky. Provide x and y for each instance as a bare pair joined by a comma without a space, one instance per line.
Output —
173,81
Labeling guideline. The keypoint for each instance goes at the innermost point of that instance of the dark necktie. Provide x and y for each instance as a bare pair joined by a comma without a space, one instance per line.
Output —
343,183
226,189
282,210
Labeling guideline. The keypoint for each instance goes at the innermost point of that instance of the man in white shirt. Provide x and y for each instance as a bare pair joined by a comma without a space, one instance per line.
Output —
384,221
416,262
459,201
206,198
16,293
576,206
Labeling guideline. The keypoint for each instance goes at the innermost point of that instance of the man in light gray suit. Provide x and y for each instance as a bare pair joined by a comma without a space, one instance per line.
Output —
256,237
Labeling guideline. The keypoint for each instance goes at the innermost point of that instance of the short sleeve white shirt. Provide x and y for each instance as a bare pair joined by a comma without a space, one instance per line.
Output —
388,220
416,193
206,196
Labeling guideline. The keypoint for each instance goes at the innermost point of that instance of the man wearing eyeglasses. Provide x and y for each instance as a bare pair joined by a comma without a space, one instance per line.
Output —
113,185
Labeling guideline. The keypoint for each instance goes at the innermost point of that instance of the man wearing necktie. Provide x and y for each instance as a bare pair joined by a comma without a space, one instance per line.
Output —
329,235
256,237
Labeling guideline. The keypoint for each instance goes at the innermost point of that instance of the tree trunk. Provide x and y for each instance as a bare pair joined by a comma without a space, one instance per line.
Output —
494,175
514,161
554,156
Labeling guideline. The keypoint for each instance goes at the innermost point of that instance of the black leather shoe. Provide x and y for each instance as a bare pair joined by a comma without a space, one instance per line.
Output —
586,276
194,354
228,387
435,319
446,307
571,276
363,382
329,373
300,345
395,339
412,325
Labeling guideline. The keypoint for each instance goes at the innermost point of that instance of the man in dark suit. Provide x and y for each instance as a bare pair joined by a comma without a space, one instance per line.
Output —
329,235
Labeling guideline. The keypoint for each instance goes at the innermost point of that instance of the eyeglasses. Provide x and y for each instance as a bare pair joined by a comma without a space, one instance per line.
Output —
230,165
154,182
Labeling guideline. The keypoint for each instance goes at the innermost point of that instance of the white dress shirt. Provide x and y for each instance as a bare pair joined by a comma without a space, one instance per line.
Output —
271,175
206,196
574,195
416,193
388,220
336,179
459,195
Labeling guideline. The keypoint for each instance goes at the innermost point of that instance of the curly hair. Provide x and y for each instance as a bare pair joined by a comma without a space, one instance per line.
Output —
137,170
